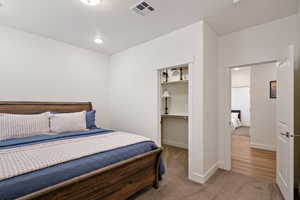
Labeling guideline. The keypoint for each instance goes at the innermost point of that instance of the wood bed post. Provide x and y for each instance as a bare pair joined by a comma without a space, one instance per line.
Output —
157,175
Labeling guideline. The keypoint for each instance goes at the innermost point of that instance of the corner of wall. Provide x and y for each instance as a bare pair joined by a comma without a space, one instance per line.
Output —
210,104
203,178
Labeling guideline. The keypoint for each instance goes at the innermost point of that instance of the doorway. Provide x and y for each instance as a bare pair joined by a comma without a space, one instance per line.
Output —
284,119
253,120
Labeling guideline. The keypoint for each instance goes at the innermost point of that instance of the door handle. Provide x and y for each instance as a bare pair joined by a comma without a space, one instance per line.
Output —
287,134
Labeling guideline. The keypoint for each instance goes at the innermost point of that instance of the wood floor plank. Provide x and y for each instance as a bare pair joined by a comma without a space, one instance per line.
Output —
252,162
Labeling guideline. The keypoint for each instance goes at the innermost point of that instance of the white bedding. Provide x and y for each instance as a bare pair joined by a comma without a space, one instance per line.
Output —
21,160
235,121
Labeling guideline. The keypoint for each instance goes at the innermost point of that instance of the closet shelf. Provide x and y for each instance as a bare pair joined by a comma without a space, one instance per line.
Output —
173,82
178,116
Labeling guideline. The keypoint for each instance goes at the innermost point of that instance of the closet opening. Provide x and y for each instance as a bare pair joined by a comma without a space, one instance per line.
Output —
174,91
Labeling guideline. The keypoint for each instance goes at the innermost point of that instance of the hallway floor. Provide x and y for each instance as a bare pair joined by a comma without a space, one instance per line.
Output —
252,162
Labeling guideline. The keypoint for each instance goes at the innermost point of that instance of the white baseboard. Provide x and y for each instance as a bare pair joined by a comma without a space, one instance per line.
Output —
176,144
202,178
262,146
246,124
221,165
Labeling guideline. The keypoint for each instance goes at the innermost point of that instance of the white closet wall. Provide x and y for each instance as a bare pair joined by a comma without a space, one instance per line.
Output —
178,102
175,132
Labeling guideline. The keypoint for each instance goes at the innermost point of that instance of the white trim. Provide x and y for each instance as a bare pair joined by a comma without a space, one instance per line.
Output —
158,139
253,64
172,65
227,120
202,178
221,165
176,144
262,146
190,113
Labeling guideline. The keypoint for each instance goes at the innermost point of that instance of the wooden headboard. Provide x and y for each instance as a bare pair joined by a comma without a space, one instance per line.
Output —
28,107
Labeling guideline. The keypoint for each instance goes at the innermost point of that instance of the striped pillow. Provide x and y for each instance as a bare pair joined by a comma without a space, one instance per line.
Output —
19,126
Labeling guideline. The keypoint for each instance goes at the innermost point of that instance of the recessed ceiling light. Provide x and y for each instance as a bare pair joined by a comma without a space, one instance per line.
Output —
90,2
236,1
236,69
98,40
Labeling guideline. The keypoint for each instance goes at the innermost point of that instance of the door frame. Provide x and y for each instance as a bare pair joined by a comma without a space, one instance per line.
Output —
228,131
290,183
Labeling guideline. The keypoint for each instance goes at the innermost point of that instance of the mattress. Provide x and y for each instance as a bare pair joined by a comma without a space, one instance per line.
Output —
30,182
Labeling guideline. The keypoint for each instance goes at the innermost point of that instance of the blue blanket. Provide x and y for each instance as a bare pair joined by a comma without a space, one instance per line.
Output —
27,183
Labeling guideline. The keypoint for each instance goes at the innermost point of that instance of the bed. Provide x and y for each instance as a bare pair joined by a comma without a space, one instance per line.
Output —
236,119
113,174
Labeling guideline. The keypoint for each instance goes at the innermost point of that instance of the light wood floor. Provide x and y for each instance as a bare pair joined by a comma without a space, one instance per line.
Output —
252,162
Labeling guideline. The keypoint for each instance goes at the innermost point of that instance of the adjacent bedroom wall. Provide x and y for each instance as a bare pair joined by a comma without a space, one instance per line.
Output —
34,68
260,43
263,108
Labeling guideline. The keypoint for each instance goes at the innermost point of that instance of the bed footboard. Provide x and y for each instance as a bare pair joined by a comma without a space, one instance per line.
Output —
117,181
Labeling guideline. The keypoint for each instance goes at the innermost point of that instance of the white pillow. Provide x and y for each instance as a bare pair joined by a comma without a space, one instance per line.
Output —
19,126
234,115
67,122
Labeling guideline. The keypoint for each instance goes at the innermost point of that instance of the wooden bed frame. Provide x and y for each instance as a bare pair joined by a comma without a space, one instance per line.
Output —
118,181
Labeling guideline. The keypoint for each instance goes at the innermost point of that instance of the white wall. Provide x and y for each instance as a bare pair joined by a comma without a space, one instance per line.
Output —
261,43
240,100
241,78
178,101
263,108
33,68
175,132
210,97
134,87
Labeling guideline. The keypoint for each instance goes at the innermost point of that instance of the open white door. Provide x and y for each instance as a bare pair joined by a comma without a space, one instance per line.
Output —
285,125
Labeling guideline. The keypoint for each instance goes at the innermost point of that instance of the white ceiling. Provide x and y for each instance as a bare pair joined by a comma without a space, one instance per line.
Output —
75,23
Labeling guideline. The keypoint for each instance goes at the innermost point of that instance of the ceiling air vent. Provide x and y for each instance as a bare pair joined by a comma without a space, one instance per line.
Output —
143,8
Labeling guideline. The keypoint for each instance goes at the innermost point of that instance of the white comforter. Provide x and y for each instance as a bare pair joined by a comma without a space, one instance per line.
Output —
235,121
21,160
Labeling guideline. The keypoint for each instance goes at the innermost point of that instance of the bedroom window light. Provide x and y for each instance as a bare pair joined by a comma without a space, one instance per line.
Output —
236,1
